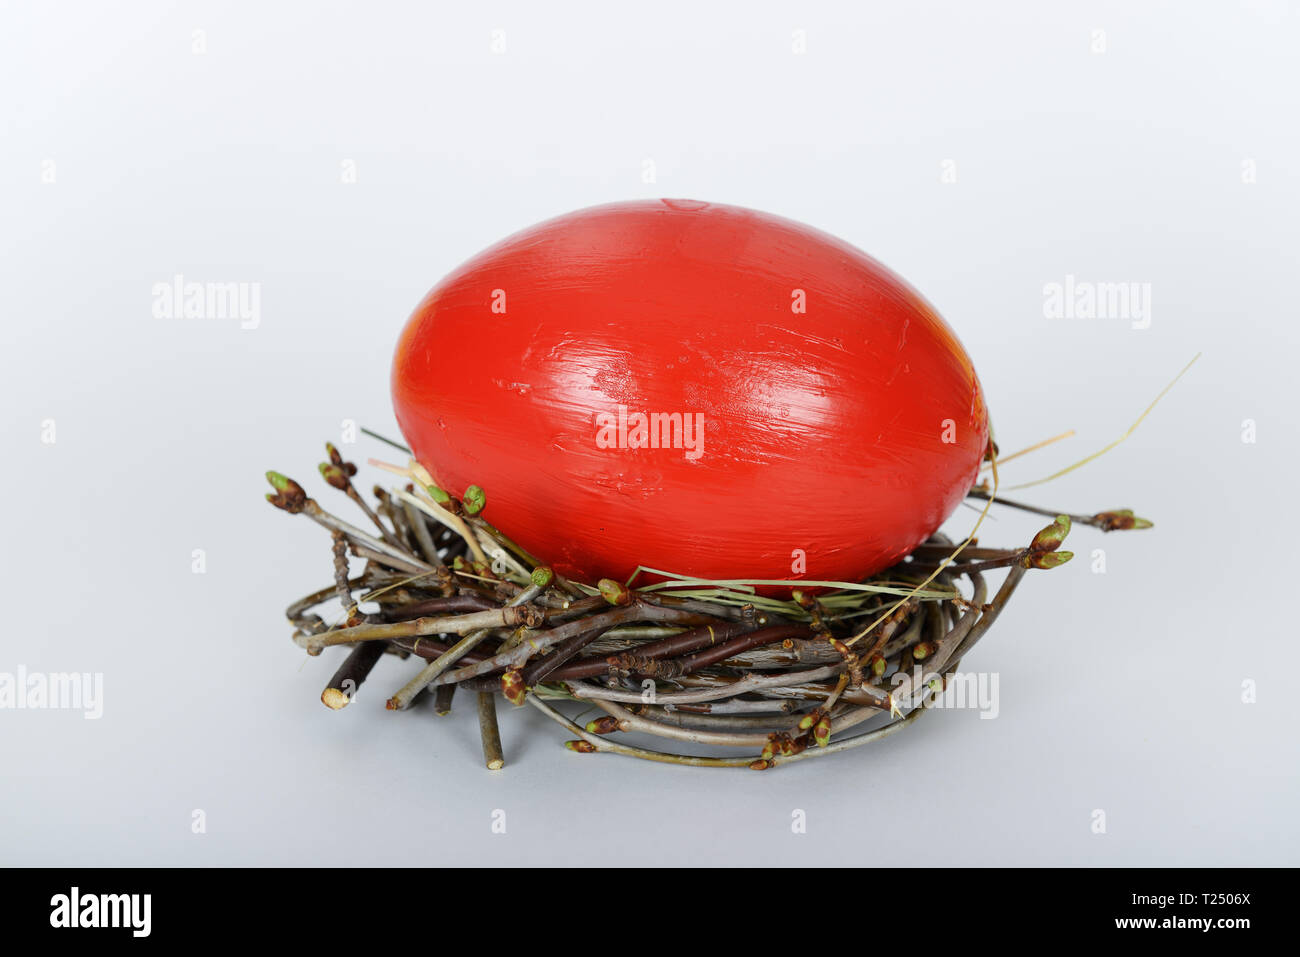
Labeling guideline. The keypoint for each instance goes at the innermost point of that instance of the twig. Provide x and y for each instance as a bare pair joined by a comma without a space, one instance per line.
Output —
422,537
411,567
341,583
407,694
435,606
491,735
517,656
448,518
751,682
456,624
627,721
396,445
291,497
675,667
355,669
1114,520
597,743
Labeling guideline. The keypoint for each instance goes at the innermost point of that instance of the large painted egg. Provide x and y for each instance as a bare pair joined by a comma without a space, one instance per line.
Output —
692,387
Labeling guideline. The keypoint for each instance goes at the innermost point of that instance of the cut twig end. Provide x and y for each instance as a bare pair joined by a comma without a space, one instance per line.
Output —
335,699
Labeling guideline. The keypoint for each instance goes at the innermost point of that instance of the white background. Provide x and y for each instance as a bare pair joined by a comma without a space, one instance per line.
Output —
1119,691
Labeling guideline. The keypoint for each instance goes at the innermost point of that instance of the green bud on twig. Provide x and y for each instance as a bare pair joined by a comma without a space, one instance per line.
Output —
349,468
1120,519
1046,559
804,600
822,733
474,500
811,718
791,745
582,747
438,495
616,593
512,686
542,576
1050,538
289,494
604,725
334,475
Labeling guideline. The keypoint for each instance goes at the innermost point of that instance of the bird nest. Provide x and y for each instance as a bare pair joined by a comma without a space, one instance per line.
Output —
715,673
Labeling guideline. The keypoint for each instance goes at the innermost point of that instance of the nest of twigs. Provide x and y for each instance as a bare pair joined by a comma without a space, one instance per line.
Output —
721,675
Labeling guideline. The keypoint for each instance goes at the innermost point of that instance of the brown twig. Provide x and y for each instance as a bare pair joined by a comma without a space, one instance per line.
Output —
1120,519
355,669
491,735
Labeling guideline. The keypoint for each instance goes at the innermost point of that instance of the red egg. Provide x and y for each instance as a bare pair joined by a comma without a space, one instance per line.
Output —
699,388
